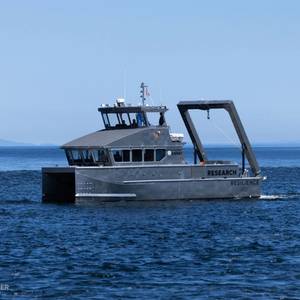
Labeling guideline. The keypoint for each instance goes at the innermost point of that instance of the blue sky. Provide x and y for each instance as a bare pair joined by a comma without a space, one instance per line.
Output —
59,60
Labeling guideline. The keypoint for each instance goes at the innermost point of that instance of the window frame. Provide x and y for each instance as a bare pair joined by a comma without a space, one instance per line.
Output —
137,149
158,149
144,155
106,121
112,150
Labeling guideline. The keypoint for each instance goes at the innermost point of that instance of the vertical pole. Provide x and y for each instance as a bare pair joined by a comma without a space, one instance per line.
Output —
243,137
195,155
243,158
192,133
143,93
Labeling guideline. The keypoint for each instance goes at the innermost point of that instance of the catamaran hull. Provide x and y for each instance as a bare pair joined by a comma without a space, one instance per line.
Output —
97,184
171,189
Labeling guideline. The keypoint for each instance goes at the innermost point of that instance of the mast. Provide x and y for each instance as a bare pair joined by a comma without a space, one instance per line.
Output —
144,92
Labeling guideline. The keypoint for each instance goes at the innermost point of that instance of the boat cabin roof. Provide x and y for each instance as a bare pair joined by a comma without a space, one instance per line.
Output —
135,137
101,138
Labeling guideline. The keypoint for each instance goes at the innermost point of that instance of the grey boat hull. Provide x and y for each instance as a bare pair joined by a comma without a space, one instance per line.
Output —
143,183
178,190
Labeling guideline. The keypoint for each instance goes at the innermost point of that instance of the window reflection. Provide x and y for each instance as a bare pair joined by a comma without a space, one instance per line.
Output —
87,157
124,120
94,157
137,155
121,155
160,154
149,155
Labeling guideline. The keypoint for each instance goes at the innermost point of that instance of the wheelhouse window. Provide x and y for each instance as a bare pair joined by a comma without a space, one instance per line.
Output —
69,156
132,118
76,157
137,155
114,120
105,120
148,155
124,120
99,156
160,154
88,158
121,155
95,157
126,155
117,155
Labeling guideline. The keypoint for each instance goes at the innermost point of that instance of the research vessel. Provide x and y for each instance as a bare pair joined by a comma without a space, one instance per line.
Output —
136,158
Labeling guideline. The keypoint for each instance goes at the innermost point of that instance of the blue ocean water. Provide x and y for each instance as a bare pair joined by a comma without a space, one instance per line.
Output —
216,249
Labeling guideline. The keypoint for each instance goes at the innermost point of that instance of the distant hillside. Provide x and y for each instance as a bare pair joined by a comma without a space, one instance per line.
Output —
6,143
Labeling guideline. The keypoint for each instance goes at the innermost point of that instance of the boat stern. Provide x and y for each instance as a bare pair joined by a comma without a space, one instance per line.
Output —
58,184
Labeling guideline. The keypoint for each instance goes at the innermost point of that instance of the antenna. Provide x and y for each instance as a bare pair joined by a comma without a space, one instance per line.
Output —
144,92
143,87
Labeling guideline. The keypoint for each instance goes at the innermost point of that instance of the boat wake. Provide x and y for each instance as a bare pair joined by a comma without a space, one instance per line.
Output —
270,197
278,197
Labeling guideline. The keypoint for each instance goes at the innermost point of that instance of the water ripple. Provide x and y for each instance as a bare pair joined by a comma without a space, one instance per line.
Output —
235,249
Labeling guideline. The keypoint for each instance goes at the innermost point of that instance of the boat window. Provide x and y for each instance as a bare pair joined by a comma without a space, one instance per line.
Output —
133,122
69,156
126,155
105,120
124,120
114,120
88,157
100,156
160,154
125,123
76,156
137,155
149,155
121,155
117,155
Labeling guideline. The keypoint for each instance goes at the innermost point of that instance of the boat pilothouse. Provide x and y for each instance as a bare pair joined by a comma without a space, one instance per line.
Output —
135,157
131,135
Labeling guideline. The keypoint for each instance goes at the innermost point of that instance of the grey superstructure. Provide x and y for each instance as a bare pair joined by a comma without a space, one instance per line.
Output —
135,158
